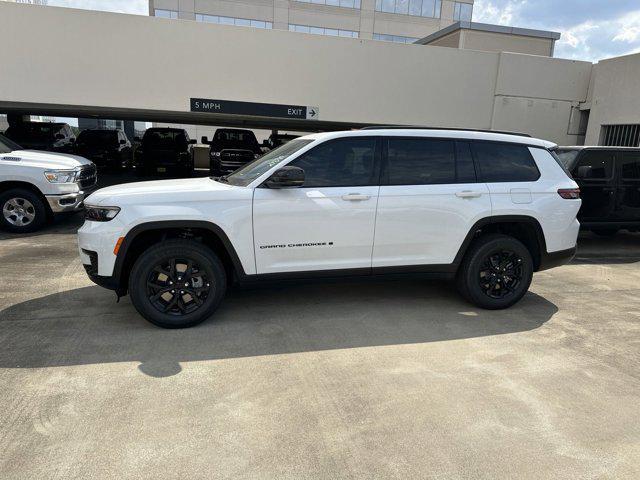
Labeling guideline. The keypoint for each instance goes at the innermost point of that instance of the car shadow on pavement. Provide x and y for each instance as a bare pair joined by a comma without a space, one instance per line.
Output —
86,326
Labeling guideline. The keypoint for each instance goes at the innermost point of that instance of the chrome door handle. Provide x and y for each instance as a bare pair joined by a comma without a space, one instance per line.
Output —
468,194
355,197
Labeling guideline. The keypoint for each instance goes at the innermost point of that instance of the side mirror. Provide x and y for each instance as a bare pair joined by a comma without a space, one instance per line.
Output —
204,140
286,177
192,142
59,136
123,141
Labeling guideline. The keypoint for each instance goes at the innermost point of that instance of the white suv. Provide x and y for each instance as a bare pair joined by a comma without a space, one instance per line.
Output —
487,209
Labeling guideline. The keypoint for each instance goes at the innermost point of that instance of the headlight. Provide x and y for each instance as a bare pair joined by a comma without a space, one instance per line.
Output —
100,214
61,176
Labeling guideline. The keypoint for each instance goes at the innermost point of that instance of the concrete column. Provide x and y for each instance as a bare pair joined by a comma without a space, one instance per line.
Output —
281,14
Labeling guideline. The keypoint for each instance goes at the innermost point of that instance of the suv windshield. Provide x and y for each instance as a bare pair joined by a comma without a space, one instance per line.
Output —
165,140
567,156
7,146
253,170
35,131
95,138
235,138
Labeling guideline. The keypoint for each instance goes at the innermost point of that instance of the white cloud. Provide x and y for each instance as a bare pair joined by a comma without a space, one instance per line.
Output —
629,28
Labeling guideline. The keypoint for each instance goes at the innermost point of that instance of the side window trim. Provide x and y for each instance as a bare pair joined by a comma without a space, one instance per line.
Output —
467,144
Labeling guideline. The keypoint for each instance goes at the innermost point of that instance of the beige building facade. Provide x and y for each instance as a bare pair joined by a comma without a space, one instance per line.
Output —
402,21
352,82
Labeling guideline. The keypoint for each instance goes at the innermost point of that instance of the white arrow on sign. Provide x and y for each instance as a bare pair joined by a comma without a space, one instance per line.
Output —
313,113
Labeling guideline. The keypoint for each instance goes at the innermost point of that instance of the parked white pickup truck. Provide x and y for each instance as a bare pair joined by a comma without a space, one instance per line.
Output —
35,185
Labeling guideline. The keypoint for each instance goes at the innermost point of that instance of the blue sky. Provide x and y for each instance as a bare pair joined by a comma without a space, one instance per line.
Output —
591,29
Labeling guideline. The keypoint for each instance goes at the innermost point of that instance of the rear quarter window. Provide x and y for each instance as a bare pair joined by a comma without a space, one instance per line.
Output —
503,162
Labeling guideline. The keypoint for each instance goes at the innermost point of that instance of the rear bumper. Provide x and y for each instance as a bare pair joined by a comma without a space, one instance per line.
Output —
555,259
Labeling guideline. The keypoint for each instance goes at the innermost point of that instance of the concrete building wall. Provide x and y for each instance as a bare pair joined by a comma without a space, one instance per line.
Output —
364,20
615,95
359,81
499,42
453,40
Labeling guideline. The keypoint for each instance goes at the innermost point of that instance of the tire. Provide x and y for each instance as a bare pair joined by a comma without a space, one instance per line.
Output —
185,312
23,211
605,232
513,268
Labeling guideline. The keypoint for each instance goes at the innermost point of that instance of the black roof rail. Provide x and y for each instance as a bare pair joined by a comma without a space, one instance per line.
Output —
413,127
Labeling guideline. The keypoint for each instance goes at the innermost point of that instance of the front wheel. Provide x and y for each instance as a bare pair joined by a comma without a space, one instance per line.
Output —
177,283
496,272
22,211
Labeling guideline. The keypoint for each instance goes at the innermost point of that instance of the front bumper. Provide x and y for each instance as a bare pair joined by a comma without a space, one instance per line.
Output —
69,202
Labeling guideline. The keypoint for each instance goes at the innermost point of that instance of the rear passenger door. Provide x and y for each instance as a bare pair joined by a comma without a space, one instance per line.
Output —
595,173
629,186
428,201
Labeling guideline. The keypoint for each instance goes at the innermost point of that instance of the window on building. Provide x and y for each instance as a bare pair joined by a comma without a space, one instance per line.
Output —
420,161
620,136
393,38
323,31
346,162
239,22
165,13
462,11
501,162
335,3
420,8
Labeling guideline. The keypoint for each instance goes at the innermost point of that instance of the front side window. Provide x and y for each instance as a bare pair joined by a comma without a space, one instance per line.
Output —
255,169
7,146
420,8
595,165
421,161
345,162
502,162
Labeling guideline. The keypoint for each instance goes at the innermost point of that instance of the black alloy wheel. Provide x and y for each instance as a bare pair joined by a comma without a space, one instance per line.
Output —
177,283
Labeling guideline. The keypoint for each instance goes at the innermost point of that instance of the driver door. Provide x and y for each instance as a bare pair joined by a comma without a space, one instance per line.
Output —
328,223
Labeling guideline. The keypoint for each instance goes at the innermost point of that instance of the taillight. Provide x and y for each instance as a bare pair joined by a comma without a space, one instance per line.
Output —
569,193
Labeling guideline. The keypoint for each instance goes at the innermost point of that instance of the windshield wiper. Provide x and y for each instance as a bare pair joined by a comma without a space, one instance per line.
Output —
222,179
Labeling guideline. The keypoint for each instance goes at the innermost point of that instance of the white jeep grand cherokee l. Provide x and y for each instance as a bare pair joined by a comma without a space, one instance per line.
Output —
487,209
35,185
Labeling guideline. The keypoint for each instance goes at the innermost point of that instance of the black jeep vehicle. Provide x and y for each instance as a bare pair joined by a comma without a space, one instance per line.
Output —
50,137
232,148
105,148
165,150
609,180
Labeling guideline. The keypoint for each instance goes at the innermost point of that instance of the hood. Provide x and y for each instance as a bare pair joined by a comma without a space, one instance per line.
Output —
49,160
165,191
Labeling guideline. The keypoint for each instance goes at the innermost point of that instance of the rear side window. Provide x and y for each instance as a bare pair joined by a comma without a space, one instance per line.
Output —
631,166
503,162
421,161
595,165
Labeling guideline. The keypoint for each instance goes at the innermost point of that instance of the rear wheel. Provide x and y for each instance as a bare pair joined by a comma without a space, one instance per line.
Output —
22,211
177,283
496,272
